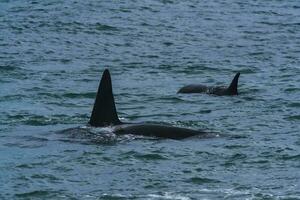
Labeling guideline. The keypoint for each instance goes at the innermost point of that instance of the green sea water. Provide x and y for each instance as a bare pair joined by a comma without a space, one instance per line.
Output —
52,55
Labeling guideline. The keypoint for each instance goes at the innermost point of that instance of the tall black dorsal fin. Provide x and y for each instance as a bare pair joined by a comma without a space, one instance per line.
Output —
232,89
104,112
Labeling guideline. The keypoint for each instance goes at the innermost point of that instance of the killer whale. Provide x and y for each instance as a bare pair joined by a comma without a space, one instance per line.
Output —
105,114
219,90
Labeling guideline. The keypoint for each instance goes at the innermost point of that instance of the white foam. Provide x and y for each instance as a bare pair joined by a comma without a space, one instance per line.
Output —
168,195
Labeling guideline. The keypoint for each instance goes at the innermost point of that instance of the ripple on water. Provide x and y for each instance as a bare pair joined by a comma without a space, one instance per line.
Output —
149,156
90,95
201,181
42,120
293,118
8,68
115,197
291,90
46,177
35,194
51,54
290,157
294,105
143,156
103,27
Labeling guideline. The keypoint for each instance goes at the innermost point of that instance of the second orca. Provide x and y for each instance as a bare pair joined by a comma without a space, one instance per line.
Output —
218,90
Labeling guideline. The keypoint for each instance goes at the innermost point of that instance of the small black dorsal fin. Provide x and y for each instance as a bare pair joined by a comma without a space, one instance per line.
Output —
104,112
232,89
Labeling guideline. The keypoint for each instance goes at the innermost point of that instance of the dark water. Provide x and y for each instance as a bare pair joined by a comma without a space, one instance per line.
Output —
52,54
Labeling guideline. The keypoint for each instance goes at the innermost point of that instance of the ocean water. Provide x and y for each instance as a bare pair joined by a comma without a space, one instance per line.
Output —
52,55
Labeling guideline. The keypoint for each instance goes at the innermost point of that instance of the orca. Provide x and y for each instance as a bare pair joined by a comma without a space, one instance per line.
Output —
104,114
219,90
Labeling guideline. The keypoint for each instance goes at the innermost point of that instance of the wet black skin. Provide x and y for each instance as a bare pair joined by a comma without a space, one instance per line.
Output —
156,130
104,114
218,90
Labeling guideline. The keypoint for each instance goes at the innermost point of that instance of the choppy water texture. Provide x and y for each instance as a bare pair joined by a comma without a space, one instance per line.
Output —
52,54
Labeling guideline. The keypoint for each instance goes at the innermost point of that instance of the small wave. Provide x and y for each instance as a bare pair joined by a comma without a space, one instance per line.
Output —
238,156
5,68
257,161
293,118
51,95
292,90
150,156
34,194
40,120
12,97
49,177
235,146
90,95
199,180
290,157
294,105
103,27
33,138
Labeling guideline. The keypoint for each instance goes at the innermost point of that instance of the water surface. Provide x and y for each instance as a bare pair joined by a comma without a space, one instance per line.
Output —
52,55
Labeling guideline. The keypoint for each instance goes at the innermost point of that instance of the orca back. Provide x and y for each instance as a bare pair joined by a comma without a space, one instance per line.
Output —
104,111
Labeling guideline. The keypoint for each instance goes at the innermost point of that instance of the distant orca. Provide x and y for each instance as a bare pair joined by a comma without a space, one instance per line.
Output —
219,90
105,114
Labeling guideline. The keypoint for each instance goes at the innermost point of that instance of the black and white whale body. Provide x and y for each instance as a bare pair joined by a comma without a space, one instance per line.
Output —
104,114
219,90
